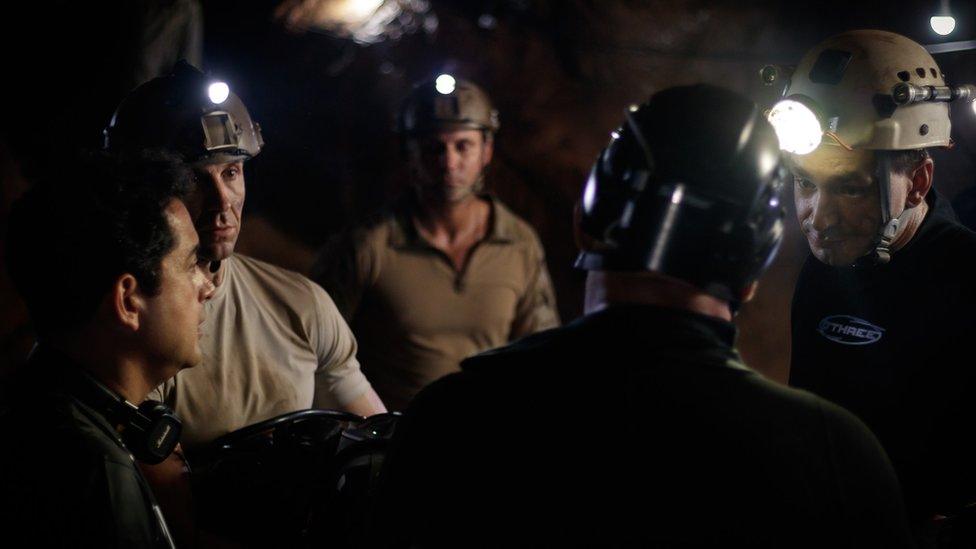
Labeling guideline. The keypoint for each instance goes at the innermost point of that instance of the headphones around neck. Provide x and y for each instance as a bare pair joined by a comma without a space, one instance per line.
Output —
150,431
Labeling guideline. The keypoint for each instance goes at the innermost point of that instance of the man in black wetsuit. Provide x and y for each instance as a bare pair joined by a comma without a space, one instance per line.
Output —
105,256
883,308
679,443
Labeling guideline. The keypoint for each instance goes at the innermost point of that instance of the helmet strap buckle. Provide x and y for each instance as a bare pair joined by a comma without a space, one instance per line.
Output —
889,225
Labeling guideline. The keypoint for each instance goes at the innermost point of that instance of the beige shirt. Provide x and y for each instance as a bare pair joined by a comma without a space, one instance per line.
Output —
416,318
273,343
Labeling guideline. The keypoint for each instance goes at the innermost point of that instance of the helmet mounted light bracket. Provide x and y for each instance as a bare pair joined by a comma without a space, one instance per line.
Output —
778,76
220,131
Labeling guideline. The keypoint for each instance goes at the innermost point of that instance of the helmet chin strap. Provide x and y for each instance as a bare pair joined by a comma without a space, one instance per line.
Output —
889,225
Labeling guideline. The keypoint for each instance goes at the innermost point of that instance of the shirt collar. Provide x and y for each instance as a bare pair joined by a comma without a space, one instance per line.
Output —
939,213
404,234
636,321
52,372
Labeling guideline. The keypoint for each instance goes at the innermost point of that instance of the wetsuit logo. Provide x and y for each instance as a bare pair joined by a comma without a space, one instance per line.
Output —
849,330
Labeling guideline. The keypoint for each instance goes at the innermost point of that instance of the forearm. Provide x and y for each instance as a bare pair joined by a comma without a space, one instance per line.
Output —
366,404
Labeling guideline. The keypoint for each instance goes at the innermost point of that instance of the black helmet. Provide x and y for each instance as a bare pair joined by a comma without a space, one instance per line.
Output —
690,186
184,112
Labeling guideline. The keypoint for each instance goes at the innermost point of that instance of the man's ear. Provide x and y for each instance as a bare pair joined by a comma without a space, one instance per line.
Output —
921,180
488,150
127,302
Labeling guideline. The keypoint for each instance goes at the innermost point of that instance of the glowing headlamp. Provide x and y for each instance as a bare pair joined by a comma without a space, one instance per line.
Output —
445,84
218,92
797,125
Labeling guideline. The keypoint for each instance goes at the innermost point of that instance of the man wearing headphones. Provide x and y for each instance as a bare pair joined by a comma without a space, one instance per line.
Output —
452,271
680,444
105,256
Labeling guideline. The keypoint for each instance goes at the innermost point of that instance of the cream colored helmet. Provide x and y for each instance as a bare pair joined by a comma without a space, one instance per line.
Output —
849,80
867,89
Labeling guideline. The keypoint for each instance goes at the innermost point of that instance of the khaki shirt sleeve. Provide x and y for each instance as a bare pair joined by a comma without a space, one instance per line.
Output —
338,379
345,268
536,309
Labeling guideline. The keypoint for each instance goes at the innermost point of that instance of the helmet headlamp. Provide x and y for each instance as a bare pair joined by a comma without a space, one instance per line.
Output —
797,125
218,92
445,84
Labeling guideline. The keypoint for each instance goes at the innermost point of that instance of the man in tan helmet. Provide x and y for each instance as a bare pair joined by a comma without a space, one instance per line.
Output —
882,307
452,271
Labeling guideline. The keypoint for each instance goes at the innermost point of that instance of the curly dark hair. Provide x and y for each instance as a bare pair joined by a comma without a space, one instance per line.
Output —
78,229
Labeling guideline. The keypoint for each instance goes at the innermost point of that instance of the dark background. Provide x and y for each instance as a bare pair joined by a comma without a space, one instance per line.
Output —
560,72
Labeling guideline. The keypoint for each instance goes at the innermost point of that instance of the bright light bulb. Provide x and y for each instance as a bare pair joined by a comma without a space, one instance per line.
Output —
445,84
361,9
218,92
943,24
796,126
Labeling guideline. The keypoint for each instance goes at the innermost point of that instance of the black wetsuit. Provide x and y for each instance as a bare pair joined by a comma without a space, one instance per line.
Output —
66,478
891,343
633,425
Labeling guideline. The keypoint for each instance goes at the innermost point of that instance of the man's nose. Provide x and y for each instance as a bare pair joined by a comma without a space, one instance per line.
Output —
450,158
217,193
824,214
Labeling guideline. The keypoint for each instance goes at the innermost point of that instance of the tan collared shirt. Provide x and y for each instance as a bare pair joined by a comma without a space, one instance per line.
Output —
416,317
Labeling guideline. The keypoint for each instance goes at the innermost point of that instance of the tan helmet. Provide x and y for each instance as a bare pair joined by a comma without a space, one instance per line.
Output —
848,81
867,89
448,103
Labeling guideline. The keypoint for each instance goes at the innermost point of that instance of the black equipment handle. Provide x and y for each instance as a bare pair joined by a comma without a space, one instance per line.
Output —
233,438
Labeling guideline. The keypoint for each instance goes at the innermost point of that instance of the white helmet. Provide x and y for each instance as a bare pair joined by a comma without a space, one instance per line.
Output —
866,89
859,86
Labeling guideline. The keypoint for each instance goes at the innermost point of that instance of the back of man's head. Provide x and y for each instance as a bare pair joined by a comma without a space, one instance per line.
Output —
689,187
86,224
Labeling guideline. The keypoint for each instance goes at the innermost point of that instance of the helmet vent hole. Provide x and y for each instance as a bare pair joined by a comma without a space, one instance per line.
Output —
923,130
904,76
920,72
934,73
